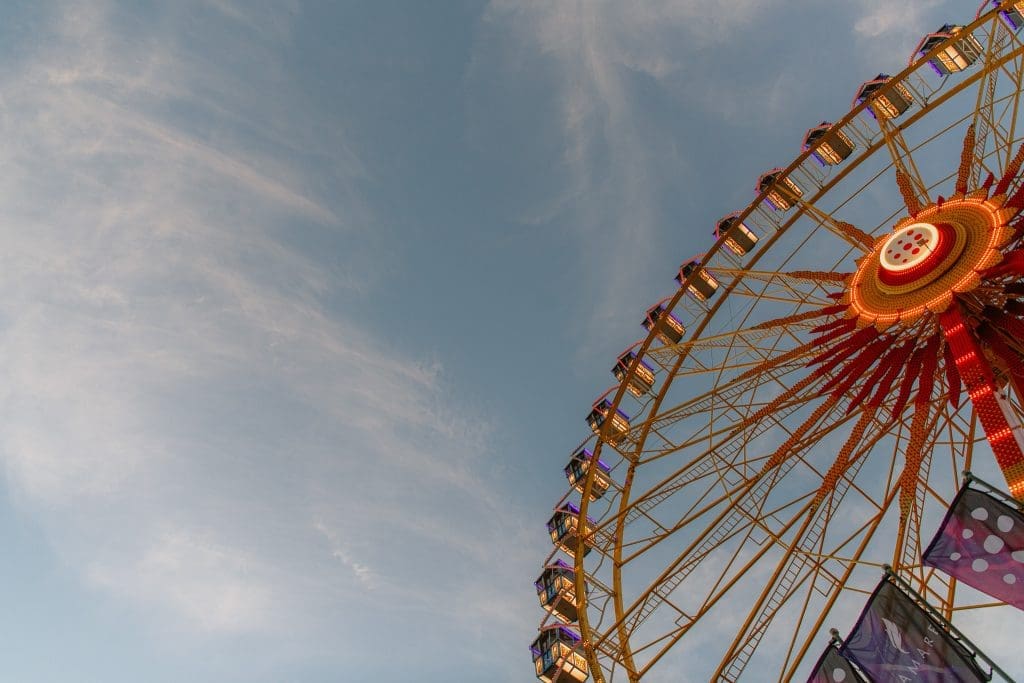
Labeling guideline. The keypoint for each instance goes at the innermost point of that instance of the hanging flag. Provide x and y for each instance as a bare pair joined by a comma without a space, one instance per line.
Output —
897,640
981,542
832,667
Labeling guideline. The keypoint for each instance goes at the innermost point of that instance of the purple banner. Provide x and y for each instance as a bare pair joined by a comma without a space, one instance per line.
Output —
896,640
981,542
833,668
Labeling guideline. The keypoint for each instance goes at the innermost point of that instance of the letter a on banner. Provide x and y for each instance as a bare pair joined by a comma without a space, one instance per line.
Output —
895,639
981,542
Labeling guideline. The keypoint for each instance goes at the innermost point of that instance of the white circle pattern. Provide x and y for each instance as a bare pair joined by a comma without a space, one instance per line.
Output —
993,544
909,247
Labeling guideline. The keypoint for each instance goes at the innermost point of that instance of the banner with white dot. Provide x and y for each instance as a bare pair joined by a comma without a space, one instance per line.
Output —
981,542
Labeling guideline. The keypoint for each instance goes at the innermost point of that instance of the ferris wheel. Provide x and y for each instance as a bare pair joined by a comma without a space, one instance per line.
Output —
802,409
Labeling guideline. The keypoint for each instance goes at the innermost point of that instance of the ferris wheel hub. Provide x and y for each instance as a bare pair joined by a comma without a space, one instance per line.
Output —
928,258
915,252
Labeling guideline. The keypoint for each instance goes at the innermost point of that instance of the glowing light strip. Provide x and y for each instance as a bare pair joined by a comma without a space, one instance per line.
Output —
979,380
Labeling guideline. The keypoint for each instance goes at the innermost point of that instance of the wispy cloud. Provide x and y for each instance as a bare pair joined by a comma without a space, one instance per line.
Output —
190,410
364,574
620,160
215,587
890,32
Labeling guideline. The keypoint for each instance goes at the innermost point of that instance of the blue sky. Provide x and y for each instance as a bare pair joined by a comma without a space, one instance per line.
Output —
305,303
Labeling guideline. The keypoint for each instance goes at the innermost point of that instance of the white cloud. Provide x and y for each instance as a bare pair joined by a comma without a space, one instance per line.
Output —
889,32
364,574
885,19
213,586
189,408
618,159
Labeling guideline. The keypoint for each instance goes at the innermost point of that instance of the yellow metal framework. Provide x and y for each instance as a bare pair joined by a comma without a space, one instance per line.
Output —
711,531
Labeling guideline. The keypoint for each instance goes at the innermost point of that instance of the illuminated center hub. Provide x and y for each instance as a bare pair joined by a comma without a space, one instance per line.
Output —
927,259
914,251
